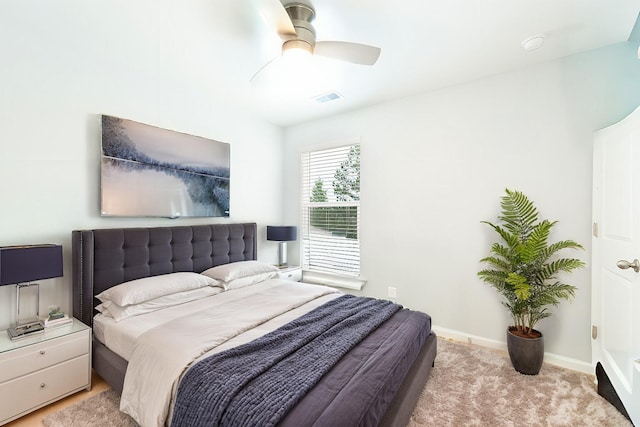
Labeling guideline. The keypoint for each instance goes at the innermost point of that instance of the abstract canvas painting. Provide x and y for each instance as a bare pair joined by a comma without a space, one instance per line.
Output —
149,171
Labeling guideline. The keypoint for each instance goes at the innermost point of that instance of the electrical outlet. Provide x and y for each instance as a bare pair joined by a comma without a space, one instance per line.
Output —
391,292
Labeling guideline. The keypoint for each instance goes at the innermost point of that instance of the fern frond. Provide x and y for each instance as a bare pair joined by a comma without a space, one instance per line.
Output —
520,285
518,213
535,246
493,275
553,293
564,264
563,244
498,263
509,238
502,251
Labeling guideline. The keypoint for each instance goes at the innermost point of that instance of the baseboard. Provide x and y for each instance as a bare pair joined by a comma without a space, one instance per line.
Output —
551,358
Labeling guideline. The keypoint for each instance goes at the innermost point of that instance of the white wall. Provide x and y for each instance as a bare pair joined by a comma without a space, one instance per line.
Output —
60,68
435,165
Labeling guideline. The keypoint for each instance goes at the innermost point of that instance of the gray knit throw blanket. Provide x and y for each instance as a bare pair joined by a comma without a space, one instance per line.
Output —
257,383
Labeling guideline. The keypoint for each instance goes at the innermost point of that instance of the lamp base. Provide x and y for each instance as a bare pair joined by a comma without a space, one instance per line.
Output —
282,255
26,330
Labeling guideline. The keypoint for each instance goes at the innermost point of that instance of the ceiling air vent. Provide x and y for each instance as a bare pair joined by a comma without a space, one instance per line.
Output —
327,97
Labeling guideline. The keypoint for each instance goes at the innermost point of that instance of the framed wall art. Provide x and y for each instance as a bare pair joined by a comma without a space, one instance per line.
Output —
154,172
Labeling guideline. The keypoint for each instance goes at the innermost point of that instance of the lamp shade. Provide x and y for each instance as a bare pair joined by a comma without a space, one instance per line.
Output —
282,233
19,264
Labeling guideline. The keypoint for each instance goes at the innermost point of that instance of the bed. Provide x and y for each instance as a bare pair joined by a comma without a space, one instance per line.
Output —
366,384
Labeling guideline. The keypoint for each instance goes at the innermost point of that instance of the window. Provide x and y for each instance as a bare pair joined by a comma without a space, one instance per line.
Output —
331,210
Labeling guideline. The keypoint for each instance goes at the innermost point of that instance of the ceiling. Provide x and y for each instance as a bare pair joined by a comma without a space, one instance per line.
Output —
426,44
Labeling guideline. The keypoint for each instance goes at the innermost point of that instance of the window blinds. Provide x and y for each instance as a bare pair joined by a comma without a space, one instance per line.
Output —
331,210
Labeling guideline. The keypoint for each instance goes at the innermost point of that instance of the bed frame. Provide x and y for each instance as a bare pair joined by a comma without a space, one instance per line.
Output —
103,258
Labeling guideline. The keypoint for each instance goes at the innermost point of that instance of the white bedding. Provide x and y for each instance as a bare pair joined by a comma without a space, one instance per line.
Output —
197,329
120,337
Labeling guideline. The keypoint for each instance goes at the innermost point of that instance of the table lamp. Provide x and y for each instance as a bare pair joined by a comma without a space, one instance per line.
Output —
20,266
282,234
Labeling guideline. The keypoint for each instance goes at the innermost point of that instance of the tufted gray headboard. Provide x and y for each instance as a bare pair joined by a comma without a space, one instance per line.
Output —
103,258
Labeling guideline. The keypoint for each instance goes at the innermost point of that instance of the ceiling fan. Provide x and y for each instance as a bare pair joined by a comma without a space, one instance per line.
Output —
292,22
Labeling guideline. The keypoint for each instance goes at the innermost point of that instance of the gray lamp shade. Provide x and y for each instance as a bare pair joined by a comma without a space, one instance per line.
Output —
282,233
20,264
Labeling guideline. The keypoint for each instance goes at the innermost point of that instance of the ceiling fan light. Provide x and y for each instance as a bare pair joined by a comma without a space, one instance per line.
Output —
296,47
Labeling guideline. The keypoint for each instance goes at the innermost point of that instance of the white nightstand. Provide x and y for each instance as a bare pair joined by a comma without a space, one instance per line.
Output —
40,369
293,273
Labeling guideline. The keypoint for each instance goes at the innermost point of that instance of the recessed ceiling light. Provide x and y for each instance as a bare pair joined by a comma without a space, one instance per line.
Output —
327,97
533,42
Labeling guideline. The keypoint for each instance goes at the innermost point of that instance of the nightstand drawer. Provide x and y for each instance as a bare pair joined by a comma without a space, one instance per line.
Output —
42,355
36,389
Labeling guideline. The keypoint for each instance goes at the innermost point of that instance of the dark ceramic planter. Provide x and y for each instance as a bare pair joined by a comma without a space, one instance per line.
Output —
526,354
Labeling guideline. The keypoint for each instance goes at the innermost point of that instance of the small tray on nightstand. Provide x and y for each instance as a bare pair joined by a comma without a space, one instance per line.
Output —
293,273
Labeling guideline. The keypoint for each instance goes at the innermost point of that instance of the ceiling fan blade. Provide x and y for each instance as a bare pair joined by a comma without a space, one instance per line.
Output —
275,15
271,61
345,51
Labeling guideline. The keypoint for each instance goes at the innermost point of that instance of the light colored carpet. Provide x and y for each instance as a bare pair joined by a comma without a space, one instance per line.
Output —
99,410
475,386
469,386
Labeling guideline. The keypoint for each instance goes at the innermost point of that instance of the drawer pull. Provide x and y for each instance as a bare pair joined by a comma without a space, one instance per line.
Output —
42,352
42,385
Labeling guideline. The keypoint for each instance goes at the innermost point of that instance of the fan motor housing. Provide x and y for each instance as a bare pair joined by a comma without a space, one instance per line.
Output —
301,11
301,16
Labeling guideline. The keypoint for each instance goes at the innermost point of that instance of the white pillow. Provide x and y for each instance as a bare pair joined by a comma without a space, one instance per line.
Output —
147,288
236,270
249,280
109,308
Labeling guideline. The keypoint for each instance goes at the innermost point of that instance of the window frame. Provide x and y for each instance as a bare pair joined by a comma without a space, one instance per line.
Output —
349,276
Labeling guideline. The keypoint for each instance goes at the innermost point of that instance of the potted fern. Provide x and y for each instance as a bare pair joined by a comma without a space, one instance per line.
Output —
523,269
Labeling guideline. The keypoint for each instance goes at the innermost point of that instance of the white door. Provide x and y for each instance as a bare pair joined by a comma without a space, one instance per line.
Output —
616,244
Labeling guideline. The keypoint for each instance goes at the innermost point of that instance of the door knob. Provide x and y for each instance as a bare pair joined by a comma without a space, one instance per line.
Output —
624,264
